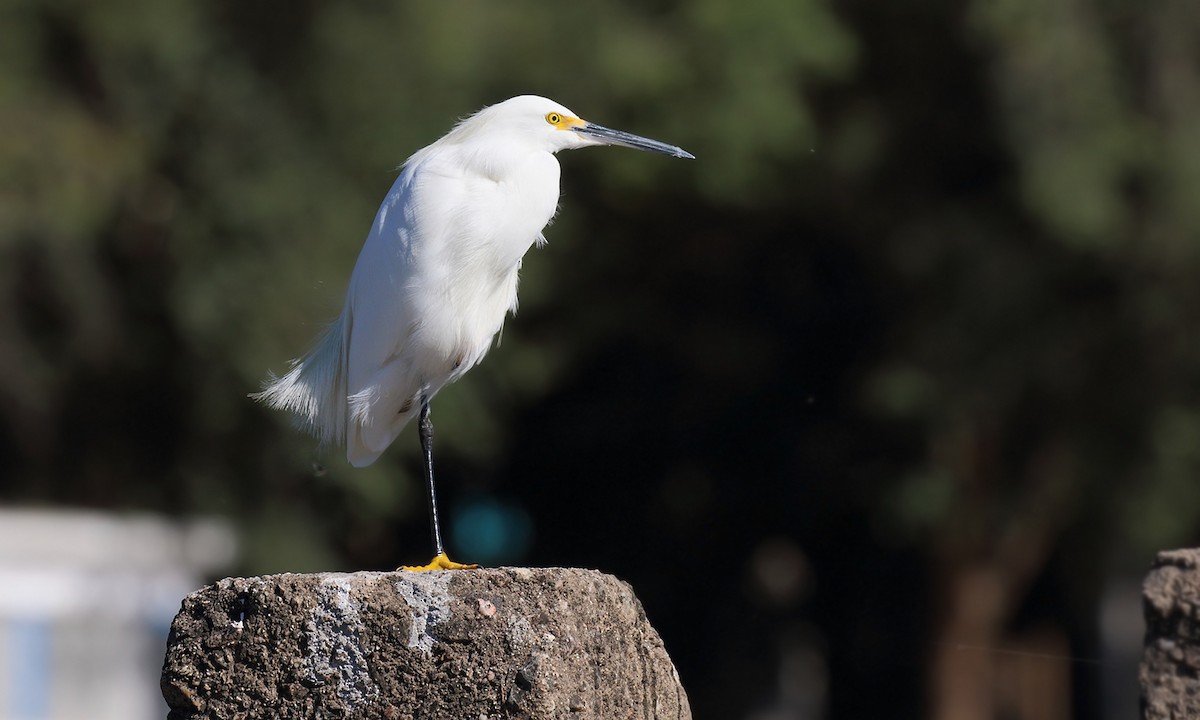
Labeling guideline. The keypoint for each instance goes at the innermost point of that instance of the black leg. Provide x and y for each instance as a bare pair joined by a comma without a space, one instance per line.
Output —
426,431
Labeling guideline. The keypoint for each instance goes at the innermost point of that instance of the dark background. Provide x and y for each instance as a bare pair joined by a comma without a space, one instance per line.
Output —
882,404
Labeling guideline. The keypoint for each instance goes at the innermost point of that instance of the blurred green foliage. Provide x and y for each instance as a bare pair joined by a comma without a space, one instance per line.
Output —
930,286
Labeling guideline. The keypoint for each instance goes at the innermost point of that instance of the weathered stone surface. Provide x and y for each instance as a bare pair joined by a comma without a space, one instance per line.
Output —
497,643
1170,670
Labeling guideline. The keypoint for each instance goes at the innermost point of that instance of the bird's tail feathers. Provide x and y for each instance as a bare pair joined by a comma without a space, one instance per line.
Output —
314,387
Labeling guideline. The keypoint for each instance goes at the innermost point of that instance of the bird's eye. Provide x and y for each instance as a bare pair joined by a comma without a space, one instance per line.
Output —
553,118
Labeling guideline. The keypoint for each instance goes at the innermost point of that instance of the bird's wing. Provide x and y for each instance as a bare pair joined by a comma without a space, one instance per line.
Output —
382,375
356,384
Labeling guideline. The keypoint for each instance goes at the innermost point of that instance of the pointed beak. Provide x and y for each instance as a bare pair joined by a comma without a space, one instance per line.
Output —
608,136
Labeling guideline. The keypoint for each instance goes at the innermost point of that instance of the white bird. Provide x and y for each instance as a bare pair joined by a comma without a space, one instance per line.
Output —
435,279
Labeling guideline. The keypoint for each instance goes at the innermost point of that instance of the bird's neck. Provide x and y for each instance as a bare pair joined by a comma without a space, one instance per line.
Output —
503,162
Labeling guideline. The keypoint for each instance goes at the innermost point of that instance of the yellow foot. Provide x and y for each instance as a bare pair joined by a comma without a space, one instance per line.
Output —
439,562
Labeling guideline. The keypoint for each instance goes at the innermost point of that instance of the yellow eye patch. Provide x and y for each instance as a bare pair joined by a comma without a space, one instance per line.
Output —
563,122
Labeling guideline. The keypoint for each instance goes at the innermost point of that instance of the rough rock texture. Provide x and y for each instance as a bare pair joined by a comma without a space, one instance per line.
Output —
1170,670
477,644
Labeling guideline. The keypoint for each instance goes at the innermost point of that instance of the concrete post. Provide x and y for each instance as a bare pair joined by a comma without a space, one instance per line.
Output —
476,644
1170,670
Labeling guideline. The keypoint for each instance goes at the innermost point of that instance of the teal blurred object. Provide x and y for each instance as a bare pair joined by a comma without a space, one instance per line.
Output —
493,532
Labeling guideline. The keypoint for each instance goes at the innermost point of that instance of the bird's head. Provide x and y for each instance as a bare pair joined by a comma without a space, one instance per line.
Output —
552,127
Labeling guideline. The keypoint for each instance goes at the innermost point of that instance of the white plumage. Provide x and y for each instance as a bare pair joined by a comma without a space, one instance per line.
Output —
437,274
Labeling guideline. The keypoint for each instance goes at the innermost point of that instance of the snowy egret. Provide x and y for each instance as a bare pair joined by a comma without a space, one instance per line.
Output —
435,279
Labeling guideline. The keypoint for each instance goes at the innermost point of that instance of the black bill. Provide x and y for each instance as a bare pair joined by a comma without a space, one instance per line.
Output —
608,136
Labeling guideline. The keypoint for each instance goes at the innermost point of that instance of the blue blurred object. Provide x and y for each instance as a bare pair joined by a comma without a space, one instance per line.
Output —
492,532
28,681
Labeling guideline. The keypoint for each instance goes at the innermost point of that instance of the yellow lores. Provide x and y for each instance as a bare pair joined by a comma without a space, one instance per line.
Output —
435,280
564,122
